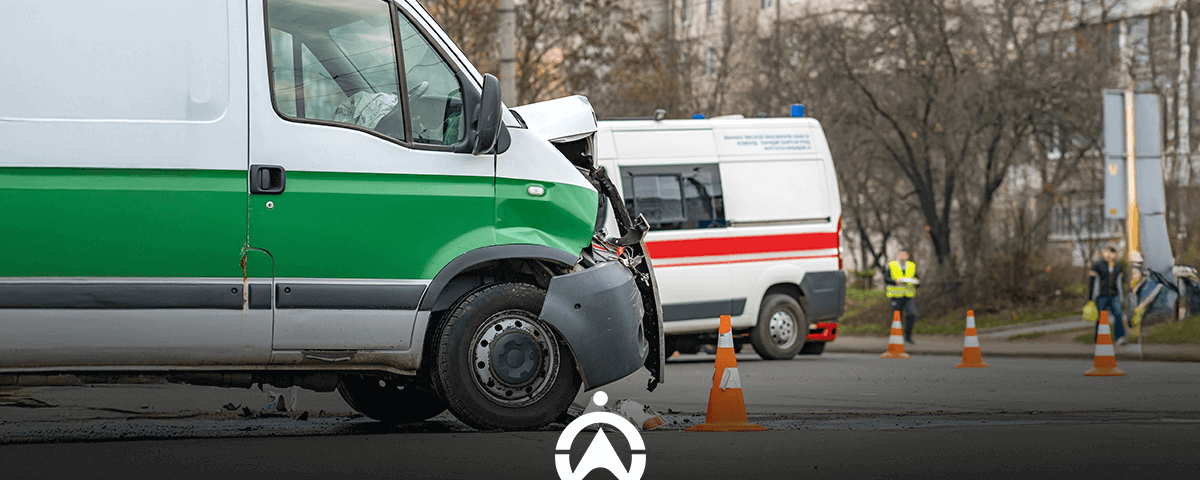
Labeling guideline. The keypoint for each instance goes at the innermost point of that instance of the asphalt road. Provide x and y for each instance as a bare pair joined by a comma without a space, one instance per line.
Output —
834,416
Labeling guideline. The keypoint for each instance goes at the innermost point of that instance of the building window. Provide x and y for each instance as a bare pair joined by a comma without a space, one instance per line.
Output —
712,9
765,4
676,197
686,13
1082,221
710,63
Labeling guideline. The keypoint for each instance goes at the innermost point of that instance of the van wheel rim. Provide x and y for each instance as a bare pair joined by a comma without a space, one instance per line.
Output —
514,359
783,329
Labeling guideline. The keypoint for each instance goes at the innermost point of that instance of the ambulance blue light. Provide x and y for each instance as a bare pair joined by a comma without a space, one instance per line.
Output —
698,116
797,111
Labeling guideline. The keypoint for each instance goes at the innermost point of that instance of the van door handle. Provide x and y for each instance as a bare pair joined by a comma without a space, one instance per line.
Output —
267,180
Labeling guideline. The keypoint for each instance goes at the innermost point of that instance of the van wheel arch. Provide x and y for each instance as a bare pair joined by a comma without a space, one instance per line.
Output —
790,289
481,263
479,269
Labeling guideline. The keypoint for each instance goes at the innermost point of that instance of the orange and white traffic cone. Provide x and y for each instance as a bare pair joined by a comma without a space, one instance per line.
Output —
896,342
1106,358
726,407
972,356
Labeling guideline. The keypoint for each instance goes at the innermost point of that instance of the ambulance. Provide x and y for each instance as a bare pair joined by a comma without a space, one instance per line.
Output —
312,193
745,220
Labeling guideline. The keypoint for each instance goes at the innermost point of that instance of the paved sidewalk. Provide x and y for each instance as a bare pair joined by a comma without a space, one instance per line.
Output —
953,346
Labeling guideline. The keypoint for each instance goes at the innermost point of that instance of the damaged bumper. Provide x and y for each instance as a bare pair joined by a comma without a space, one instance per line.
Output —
602,314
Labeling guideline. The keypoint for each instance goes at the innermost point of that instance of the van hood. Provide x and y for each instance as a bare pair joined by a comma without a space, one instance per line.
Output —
564,120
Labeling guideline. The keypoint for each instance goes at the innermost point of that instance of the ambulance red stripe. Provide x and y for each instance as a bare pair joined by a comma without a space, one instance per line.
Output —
748,260
716,247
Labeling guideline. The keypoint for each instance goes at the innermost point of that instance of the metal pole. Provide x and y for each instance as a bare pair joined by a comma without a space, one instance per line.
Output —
1183,110
508,52
1131,224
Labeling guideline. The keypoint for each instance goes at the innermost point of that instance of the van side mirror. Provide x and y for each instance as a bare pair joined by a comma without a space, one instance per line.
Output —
491,134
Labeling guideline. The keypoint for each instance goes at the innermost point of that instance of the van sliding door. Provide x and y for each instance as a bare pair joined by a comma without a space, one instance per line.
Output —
122,186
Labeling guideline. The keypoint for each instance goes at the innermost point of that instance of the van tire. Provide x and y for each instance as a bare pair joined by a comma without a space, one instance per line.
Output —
784,339
488,396
813,348
389,401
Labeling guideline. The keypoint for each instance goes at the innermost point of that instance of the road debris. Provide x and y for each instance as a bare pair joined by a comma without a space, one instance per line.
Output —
281,401
641,416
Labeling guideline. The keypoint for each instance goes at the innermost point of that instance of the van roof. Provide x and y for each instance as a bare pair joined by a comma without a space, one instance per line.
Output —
707,124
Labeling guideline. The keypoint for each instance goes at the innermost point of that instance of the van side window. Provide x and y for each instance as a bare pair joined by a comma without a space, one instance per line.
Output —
434,93
336,62
676,197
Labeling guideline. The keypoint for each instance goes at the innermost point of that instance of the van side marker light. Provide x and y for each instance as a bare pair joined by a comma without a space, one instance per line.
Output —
537,191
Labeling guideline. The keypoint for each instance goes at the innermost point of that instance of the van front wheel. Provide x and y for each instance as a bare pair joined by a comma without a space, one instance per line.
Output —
782,328
498,366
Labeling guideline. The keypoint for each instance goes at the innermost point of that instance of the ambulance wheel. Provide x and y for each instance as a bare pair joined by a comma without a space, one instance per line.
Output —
813,348
497,366
781,321
389,401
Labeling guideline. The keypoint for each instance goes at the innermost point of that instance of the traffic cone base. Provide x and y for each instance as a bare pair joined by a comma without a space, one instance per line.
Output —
728,427
1105,372
726,413
896,341
1105,364
726,406
972,356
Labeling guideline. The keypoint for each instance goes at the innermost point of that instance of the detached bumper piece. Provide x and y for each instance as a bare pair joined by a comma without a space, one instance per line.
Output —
825,332
599,313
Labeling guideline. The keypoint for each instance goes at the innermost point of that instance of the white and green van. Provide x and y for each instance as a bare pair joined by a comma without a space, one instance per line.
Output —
314,193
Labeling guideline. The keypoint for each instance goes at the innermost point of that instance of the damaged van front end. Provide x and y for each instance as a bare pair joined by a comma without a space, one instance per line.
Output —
607,309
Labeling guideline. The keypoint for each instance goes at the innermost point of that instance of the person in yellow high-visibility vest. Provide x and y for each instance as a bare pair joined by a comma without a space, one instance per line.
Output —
902,289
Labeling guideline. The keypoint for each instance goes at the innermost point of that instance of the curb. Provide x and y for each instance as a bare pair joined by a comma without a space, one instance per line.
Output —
1149,357
1023,326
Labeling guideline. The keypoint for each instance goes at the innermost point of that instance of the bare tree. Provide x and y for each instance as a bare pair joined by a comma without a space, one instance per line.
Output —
952,97
473,24
563,47
567,46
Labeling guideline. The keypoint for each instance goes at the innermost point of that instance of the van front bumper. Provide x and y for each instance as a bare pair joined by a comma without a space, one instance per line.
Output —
601,313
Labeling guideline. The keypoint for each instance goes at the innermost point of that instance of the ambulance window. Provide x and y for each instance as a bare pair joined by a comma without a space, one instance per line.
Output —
336,62
676,197
434,93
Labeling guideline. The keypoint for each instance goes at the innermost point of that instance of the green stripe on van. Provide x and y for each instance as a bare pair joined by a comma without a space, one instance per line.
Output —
372,226
563,218
62,222
120,223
